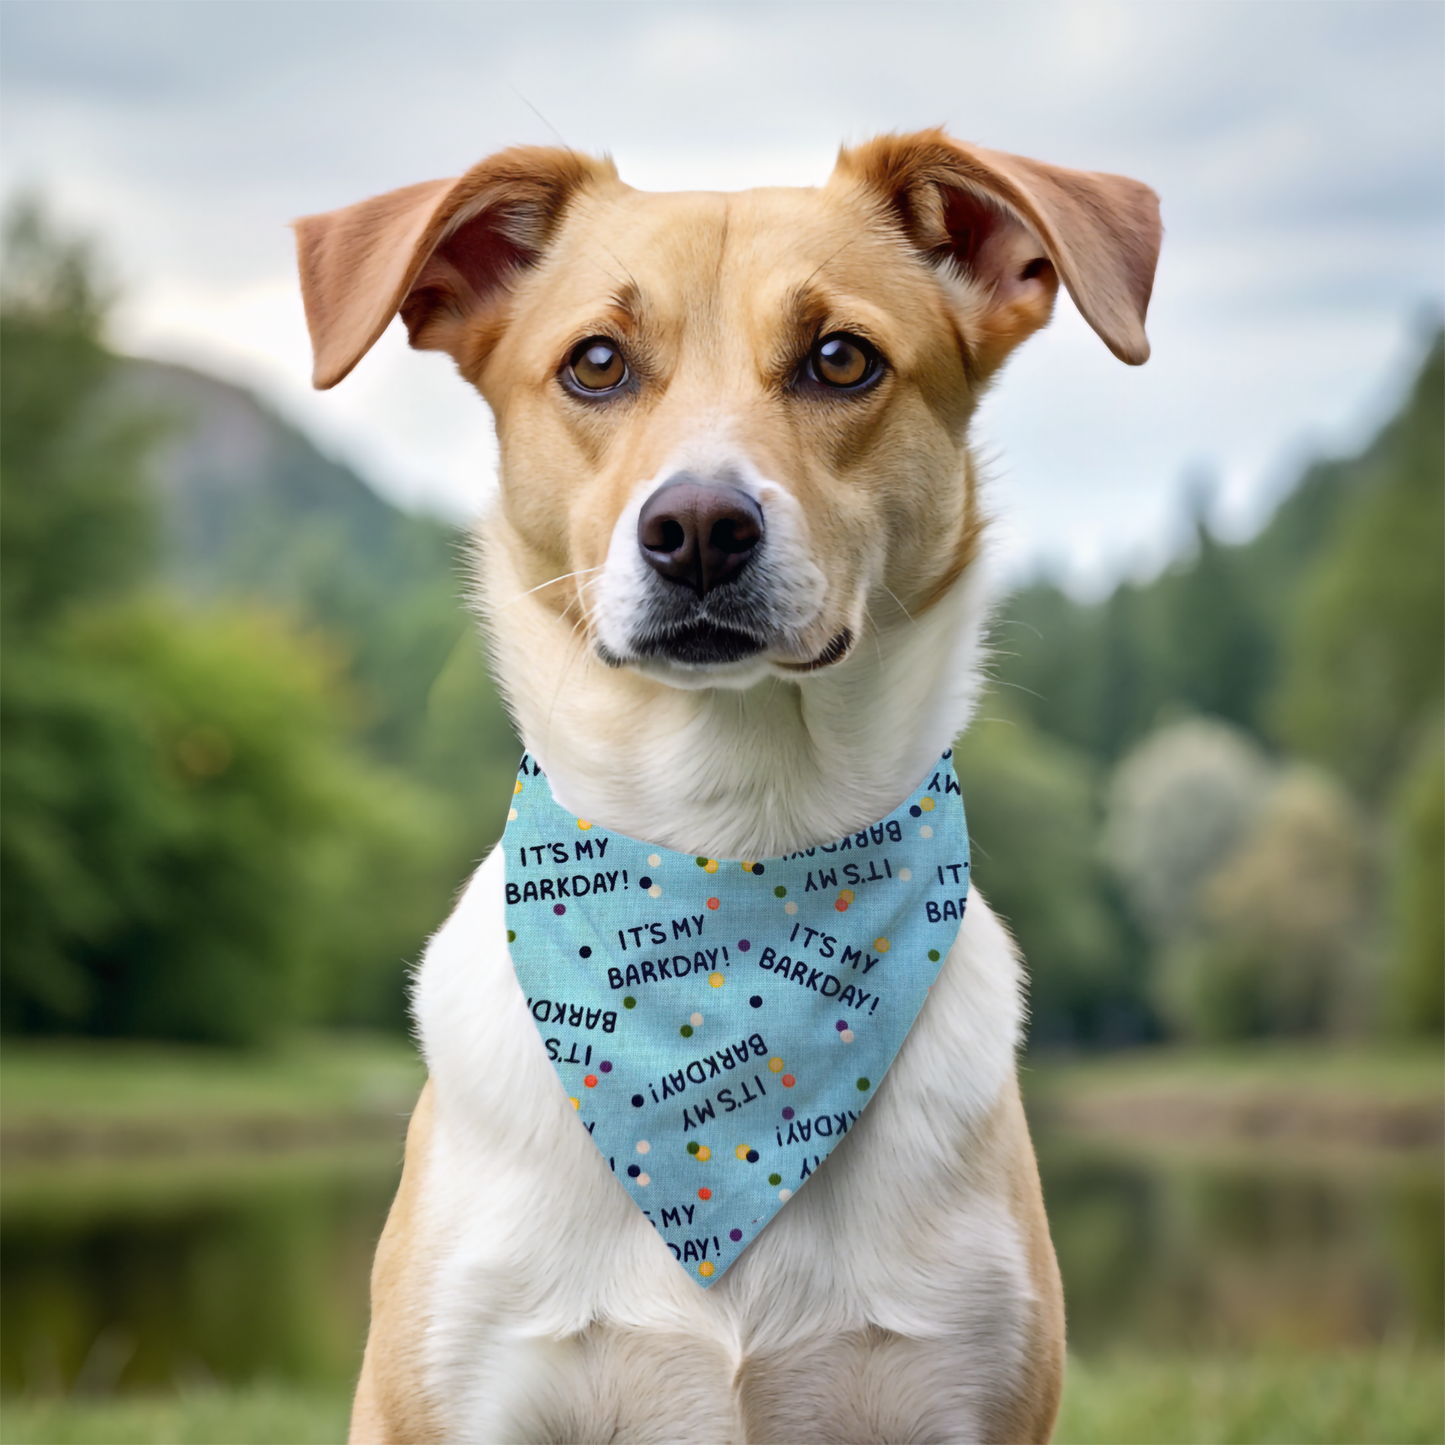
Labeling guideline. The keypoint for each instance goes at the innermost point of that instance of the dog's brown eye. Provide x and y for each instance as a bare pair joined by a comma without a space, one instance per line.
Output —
596,365
843,361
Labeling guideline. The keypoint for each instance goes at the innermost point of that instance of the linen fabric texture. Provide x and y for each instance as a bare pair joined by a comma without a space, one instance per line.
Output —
719,1025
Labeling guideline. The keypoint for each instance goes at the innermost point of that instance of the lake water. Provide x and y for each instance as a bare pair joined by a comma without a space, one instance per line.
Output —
127,1278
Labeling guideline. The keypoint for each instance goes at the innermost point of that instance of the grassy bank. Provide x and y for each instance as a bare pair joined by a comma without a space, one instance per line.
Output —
1383,1399
1314,1096
72,1100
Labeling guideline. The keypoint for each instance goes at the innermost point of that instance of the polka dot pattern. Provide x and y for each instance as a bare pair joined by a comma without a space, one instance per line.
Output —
718,1069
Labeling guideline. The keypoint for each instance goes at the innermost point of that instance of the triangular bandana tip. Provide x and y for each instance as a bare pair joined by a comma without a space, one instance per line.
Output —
720,1024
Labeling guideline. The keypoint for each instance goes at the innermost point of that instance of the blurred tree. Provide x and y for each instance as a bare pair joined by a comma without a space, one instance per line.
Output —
1179,804
191,846
1366,664
1032,816
78,524
1416,998
1275,938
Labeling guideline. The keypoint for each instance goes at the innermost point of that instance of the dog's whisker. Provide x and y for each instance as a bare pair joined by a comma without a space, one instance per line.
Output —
581,572
901,607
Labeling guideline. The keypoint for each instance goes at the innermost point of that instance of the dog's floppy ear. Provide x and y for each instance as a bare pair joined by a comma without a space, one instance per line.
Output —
440,253
1015,227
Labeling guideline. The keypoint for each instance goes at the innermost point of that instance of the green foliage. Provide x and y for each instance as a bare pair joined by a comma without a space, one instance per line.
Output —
193,844
187,831
1032,814
1416,1002
1274,943
77,522
1366,669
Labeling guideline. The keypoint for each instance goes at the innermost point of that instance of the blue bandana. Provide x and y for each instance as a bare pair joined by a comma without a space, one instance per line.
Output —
719,1026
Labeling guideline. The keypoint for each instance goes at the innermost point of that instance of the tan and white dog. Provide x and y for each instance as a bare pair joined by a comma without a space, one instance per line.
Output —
734,586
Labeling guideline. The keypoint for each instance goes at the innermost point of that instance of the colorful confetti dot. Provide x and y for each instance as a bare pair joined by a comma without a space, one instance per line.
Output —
787,1113
605,1066
559,909
715,979
925,832
654,891
757,870
686,1031
743,945
696,1021
775,1178
644,1180
629,1002
576,1103
638,1101
841,1025
735,1235
518,787
864,1085
654,860
747,867
927,805
704,1153
705,1269
846,1036
704,1193
752,1156
633,1170
714,903
643,1146
511,935
933,955
780,891
785,1195
511,815
742,1152
700,861
847,895
710,866
775,1065
693,1146
756,1001
915,811
644,882
905,875
584,952
790,908
881,944
583,824
841,906
787,1081
590,1081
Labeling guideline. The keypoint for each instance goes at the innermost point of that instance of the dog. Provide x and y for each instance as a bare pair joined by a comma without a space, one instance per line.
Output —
735,586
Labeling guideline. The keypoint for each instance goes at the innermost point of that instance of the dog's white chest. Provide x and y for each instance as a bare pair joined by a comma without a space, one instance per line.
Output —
557,1311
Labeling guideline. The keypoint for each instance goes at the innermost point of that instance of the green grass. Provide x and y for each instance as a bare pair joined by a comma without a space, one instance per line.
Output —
1390,1398
262,1415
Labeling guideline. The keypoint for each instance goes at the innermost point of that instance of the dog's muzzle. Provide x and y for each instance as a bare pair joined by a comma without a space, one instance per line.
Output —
705,607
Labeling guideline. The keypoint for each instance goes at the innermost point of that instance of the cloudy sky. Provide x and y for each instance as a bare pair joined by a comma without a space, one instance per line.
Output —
1299,149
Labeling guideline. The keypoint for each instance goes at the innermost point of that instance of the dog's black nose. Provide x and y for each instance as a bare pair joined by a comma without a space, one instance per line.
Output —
698,533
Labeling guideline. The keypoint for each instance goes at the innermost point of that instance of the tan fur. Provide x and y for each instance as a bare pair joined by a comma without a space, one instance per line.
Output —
390,1408
944,256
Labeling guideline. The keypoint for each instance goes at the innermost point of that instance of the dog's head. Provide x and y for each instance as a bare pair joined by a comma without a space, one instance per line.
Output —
733,427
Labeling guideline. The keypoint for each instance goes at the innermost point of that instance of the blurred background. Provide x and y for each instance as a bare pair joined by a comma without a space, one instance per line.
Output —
251,750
